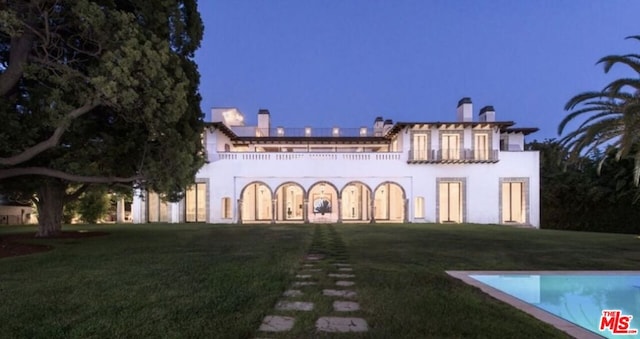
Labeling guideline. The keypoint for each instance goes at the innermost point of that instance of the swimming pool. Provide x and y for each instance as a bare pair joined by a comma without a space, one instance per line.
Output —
567,299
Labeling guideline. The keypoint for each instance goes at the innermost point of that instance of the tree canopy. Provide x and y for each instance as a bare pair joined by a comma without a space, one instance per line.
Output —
102,91
611,115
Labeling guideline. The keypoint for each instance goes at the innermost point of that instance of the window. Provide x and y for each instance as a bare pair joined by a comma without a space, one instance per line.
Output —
450,146
418,208
513,209
450,201
420,146
157,209
196,203
226,208
481,146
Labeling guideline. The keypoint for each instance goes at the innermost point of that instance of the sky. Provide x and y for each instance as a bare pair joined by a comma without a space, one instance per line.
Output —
326,63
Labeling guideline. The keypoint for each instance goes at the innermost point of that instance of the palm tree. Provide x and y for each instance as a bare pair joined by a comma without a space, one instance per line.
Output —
612,115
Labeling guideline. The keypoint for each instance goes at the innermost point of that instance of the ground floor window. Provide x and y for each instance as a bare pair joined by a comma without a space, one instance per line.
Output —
196,203
226,208
450,201
418,207
513,204
157,209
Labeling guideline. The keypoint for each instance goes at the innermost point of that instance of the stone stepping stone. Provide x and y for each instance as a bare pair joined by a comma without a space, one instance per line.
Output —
345,269
341,275
303,276
276,323
314,257
304,283
292,293
312,270
344,283
339,324
345,306
294,306
308,265
343,265
339,293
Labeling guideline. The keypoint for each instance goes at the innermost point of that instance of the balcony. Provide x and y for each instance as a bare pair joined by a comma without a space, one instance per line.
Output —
311,156
452,156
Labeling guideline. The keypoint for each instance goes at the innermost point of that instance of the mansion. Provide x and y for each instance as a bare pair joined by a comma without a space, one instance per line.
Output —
461,171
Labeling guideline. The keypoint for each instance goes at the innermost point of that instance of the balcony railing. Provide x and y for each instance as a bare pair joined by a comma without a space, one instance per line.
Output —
452,156
284,156
252,131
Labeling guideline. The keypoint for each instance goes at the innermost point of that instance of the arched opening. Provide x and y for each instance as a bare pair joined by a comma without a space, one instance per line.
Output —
289,202
256,203
389,202
356,202
323,202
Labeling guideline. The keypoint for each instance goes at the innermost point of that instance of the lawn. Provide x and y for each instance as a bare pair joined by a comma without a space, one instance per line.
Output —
189,280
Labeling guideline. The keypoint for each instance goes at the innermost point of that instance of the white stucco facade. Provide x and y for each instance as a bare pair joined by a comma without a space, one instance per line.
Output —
444,172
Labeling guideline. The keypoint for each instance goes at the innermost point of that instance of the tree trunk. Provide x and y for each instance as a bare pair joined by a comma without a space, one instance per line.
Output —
50,206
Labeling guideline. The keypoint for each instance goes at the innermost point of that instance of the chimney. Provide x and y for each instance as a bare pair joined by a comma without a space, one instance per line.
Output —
264,122
487,114
377,126
465,110
387,126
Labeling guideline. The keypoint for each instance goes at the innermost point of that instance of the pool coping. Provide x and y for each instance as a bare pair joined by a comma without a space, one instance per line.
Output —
542,315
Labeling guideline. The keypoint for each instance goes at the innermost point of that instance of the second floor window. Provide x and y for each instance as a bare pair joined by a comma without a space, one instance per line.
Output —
481,146
420,146
450,146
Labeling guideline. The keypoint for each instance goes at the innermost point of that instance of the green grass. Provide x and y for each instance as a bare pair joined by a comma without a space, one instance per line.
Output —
404,288
188,280
152,281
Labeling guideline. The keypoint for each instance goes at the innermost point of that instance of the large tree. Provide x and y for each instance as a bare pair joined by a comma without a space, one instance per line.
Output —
611,115
97,92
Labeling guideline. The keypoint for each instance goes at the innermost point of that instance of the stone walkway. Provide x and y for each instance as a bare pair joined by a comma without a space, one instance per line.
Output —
324,284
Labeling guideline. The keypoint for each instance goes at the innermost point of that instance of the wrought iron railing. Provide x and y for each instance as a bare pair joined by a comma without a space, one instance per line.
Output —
452,155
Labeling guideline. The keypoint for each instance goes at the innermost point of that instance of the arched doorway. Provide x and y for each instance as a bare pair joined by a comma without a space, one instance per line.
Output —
356,202
389,202
323,202
256,203
289,202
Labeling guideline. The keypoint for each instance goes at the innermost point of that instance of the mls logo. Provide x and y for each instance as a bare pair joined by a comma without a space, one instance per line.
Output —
617,323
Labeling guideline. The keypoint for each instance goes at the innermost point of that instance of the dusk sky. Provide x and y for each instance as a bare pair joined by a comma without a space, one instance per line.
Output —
345,62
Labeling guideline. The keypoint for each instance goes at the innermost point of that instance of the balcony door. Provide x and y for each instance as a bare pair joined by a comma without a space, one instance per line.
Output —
450,146
420,146
481,146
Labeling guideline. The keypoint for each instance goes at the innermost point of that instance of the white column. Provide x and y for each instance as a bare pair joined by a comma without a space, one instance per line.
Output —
120,210
138,210
175,212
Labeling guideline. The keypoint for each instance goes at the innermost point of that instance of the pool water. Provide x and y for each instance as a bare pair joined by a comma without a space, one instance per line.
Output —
577,298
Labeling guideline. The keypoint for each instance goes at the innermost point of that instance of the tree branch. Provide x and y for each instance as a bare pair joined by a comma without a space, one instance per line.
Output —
48,172
76,193
53,140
